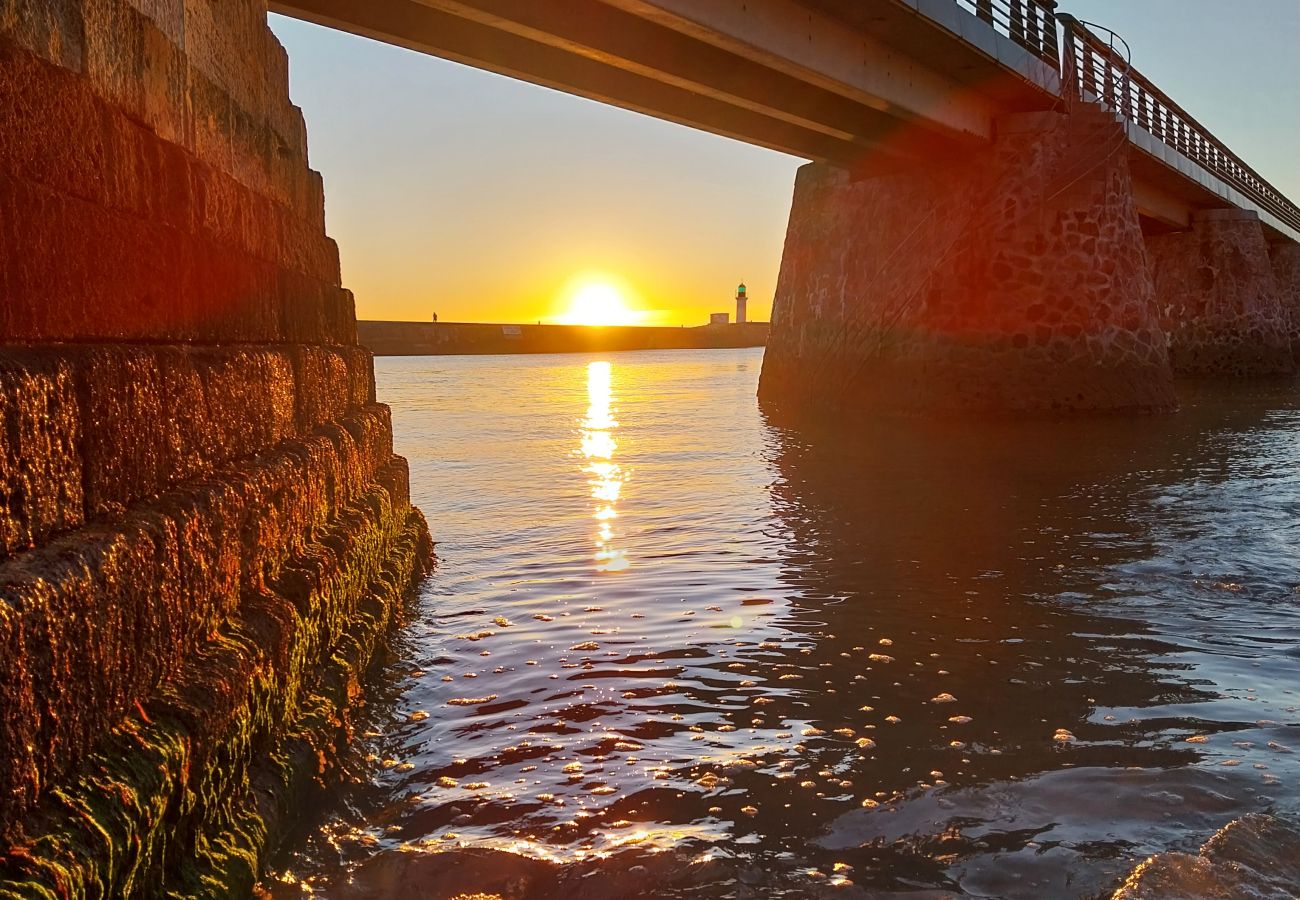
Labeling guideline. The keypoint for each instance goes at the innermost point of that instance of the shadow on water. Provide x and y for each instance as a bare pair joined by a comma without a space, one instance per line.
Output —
1005,659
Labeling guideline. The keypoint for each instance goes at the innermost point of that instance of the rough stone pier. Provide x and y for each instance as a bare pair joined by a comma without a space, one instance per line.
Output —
1014,280
203,529
1220,300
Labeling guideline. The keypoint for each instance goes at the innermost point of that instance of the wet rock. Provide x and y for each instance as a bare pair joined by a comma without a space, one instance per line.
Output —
1254,856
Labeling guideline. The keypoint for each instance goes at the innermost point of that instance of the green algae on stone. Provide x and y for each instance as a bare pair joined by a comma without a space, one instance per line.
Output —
187,801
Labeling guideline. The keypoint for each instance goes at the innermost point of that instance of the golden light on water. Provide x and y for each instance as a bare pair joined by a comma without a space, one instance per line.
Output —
604,476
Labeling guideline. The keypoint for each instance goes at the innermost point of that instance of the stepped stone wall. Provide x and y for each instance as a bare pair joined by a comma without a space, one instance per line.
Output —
1014,279
1219,297
204,530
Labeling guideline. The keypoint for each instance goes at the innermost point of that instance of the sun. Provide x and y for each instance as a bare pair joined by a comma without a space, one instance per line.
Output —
598,302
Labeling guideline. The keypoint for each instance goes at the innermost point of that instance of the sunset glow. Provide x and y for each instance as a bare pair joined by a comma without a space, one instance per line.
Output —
598,301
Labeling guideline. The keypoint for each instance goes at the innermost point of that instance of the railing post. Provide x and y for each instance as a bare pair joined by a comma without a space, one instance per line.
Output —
1071,87
1017,22
1051,51
1108,80
984,10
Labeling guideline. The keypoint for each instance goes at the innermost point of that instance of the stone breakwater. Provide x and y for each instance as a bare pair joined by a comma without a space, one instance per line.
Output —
429,338
204,531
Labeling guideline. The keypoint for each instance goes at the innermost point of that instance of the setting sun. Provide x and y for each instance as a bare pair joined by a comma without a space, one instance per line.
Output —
600,301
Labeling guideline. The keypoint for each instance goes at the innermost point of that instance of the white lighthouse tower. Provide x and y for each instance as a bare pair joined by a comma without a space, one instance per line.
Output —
741,302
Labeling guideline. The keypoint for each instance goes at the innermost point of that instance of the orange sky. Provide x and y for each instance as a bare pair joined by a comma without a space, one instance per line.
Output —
482,198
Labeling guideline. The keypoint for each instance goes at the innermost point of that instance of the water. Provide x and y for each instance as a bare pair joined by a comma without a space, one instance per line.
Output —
672,649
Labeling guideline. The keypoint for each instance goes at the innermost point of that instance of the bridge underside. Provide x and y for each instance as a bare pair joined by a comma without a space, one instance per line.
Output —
817,80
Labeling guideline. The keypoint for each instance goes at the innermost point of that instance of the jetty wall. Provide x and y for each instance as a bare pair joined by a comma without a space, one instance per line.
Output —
448,338
204,530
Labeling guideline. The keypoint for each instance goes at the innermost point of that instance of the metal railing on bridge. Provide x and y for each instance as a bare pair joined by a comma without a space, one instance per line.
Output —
1092,69
1030,23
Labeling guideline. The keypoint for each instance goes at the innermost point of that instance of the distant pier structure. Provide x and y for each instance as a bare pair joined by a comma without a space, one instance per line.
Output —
742,301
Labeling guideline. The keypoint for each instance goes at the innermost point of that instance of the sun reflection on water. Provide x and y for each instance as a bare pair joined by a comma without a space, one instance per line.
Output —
604,476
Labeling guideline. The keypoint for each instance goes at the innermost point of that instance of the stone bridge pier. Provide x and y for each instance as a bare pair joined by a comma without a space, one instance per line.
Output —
1285,257
1220,296
1012,279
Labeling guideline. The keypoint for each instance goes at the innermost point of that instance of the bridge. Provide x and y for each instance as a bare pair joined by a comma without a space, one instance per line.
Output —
203,528
881,89
864,85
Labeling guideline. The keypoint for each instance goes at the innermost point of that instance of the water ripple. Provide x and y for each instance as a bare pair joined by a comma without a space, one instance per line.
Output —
1009,659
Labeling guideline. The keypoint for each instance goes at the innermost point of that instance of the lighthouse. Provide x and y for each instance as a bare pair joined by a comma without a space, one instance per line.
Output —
741,301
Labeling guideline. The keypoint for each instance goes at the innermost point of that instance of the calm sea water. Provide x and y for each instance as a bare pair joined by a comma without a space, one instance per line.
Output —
674,649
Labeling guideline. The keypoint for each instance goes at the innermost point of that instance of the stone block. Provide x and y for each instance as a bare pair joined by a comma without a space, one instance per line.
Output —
168,16
213,113
249,397
40,464
114,53
344,317
165,107
72,608
314,312
324,385
51,29
155,416
361,374
127,435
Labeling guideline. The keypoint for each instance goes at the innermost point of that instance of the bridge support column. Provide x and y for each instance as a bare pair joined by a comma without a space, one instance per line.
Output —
1219,297
1014,279
1285,257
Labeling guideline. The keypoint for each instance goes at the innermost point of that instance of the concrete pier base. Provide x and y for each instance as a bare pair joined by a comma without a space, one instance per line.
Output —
1014,280
1219,298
